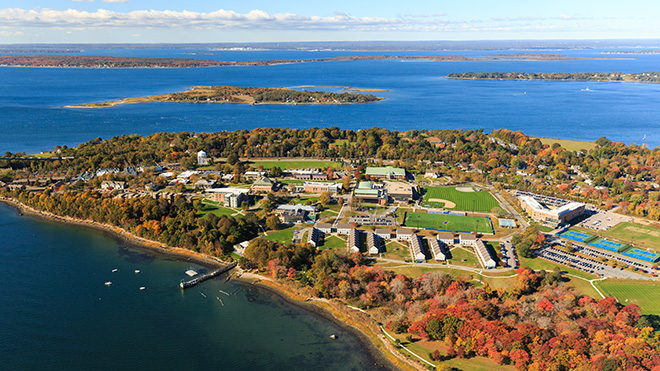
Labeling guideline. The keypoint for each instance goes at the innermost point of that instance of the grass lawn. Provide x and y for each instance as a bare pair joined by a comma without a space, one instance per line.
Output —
460,256
295,164
583,287
395,250
455,223
283,236
646,294
213,207
333,242
467,201
571,145
409,271
640,234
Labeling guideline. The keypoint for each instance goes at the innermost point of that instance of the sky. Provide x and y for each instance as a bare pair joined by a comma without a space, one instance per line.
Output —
207,21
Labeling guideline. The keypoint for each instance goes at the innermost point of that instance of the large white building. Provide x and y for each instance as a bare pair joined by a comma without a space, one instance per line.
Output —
436,249
484,255
556,216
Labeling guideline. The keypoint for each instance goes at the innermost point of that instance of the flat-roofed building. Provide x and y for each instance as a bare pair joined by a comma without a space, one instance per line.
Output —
368,192
399,191
485,258
316,187
467,239
230,197
205,184
416,251
387,172
404,234
297,213
374,243
560,215
353,241
436,249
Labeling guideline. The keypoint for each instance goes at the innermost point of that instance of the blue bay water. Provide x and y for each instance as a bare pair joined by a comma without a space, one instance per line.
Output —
32,118
57,314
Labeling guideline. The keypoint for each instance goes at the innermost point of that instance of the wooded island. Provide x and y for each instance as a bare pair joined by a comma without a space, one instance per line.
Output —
647,77
248,95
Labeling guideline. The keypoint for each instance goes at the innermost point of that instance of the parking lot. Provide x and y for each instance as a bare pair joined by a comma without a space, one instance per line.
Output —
509,255
604,221
552,253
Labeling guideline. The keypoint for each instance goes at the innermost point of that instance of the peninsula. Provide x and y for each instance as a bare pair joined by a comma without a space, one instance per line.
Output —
646,77
88,61
246,95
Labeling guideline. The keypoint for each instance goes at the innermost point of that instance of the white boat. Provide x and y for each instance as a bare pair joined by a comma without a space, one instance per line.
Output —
191,273
142,288
137,271
587,89
108,283
115,270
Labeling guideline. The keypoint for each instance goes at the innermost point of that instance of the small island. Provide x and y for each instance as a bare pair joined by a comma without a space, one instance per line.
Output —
646,77
246,95
90,61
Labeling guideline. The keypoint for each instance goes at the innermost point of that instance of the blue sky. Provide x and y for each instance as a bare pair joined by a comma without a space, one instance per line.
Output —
72,21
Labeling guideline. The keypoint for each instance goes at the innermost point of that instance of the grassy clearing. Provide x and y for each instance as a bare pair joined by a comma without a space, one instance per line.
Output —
295,164
283,236
395,250
646,294
571,145
213,207
460,256
455,223
639,234
333,242
468,201
583,287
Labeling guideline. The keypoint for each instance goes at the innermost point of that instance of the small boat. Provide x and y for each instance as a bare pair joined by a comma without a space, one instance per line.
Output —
142,288
108,283
201,293
333,337
191,273
137,271
115,270
587,89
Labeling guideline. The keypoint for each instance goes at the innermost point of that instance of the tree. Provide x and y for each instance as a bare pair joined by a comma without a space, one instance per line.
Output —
346,183
232,158
273,222
325,198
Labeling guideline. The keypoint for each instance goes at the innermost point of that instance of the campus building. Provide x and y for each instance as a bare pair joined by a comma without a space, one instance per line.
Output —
230,197
387,172
483,254
436,248
314,187
554,217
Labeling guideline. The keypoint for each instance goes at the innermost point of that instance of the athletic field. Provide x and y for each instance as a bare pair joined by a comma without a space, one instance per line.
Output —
636,233
452,223
645,294
458,199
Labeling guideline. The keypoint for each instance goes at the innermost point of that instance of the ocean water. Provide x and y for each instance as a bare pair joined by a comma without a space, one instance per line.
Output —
56,313
32,117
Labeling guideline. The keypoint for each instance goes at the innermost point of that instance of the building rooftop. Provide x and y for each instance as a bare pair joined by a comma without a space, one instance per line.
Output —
386,171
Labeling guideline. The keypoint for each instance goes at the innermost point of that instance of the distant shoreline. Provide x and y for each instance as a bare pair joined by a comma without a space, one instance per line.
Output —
327,310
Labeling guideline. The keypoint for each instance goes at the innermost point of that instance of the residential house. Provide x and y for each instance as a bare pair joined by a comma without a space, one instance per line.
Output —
313,237
436,248
467,240
112,185
344,228
446,238
374,243
384,233
416,251
485,258
326,228
404,234
353,241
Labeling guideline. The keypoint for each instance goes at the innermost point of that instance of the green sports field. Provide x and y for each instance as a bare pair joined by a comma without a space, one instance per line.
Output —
444,222
481,201
637,233
643,293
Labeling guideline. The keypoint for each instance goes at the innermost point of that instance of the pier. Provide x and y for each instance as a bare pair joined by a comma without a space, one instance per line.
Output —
204,277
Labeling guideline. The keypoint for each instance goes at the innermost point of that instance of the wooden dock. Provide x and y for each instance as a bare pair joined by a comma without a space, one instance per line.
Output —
196,281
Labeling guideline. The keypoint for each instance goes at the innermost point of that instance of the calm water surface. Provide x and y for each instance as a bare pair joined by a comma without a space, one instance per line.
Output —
33,120
57,314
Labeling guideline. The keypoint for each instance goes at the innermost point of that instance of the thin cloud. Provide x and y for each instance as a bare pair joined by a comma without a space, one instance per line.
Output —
115,1
220,19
